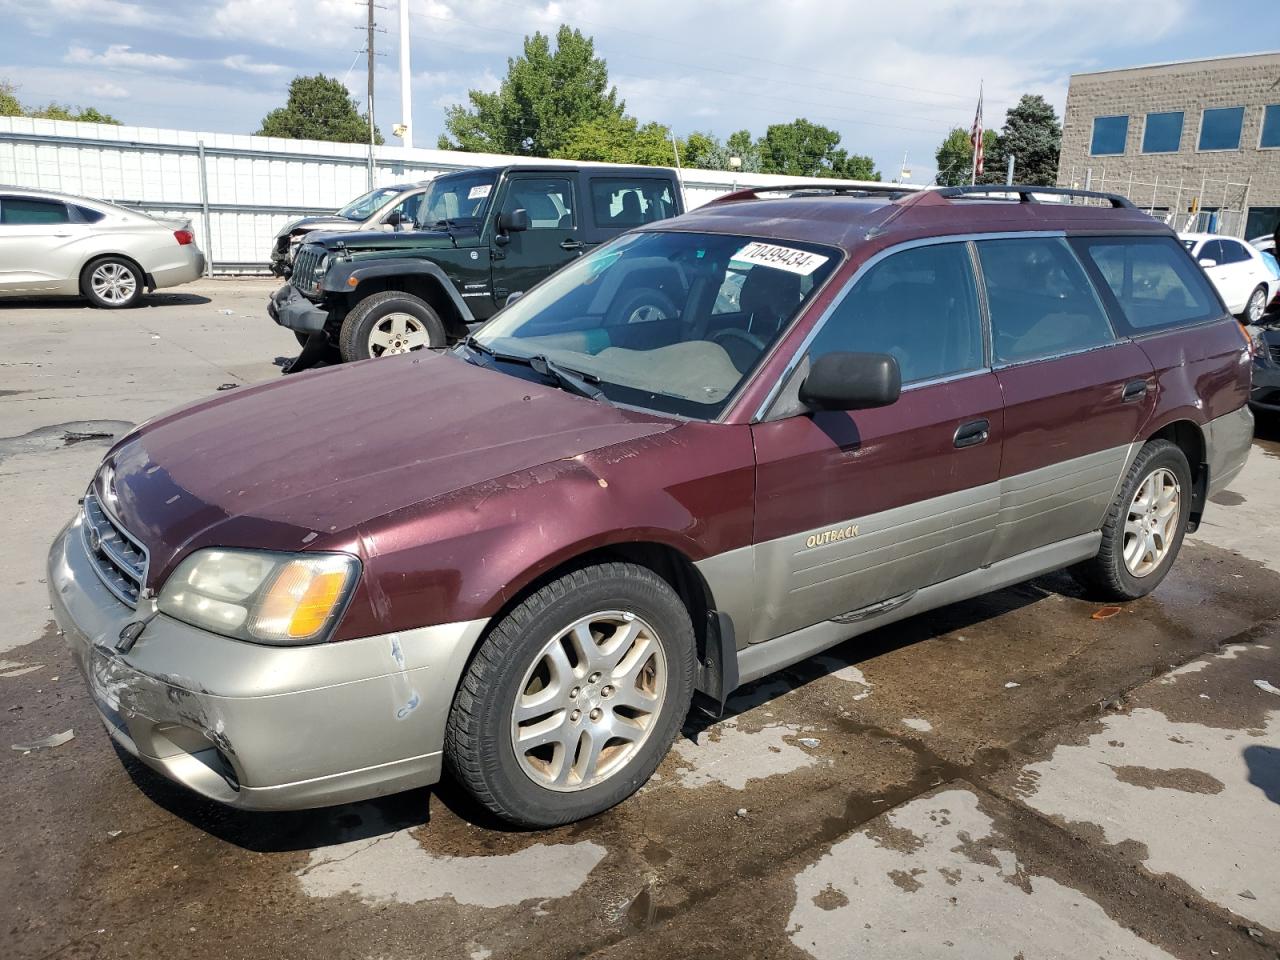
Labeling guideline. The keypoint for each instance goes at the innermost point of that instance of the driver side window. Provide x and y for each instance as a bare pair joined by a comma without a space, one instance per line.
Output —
548,201
920,306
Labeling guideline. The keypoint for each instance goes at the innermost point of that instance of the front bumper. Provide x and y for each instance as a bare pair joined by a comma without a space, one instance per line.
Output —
291,309
260,727
1265,394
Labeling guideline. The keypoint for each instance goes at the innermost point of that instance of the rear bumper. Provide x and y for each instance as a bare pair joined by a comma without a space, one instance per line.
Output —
291,309
259,727
172,275
1227,442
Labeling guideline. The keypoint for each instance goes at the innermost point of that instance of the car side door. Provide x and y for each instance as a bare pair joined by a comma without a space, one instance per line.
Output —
1075,393
520,259
1246,271
1210,257
34,233
862,507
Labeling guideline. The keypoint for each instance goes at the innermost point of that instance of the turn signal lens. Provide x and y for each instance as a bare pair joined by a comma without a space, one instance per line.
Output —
302,597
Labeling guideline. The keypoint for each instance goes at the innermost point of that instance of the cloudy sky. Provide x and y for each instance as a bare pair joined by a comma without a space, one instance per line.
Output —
891,77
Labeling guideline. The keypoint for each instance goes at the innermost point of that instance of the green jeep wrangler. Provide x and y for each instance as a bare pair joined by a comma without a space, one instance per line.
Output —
480,237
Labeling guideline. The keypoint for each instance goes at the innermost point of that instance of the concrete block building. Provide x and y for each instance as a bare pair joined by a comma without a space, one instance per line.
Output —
1197,142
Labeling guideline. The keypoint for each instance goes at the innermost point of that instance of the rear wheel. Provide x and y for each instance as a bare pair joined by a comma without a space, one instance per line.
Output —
1144,527
574,698
1256,305
112,283
390,323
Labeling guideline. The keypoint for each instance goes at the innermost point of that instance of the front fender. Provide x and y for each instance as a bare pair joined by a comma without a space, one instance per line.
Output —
340,274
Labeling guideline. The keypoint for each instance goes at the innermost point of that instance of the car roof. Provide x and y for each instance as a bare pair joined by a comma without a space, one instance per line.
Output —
602,169
1209,236
851,219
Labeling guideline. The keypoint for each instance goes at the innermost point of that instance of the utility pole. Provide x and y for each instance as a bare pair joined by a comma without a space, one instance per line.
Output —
372,126
406,94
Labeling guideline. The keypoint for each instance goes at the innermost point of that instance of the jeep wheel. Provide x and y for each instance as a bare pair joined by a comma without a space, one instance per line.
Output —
389,323
1143,529
575,696
642,306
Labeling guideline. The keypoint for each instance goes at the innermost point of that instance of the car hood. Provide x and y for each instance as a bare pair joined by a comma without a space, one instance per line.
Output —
305,461
382,240
307,224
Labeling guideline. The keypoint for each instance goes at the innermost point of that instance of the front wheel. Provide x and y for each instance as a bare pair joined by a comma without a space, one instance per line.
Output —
574,698
112,283
1144,527
389,323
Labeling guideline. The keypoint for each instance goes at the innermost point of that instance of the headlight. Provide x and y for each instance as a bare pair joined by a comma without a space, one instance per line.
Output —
278,598
322,267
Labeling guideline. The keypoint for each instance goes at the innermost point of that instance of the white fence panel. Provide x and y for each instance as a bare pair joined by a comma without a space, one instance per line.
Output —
252,186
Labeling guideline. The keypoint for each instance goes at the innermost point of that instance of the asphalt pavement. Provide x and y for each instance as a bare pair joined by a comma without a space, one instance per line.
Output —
1027,774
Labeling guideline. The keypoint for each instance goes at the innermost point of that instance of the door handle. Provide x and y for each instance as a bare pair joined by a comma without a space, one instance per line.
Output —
972,433
1134,390
570,244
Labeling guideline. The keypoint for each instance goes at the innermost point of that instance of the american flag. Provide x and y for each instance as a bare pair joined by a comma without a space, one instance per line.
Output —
975,139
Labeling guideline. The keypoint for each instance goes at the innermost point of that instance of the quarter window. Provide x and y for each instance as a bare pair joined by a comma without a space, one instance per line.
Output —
1220,128
625,203
920,306
1155,284
1040,299
1109,135
548,201
1163,132
1270,126
28,210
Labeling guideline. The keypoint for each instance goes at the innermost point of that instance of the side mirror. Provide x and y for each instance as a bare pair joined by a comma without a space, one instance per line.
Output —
513,297
515,221
393,219
1207,262
851,381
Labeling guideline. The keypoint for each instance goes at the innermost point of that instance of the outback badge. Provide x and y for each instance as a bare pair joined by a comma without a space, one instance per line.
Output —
831,536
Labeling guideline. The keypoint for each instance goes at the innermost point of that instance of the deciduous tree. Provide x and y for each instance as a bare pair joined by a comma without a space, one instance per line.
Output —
318,108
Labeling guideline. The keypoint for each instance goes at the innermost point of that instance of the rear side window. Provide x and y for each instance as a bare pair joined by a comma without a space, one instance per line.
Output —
920,306
29,210
1155,284
1041,301
1233,252
621,203
85,215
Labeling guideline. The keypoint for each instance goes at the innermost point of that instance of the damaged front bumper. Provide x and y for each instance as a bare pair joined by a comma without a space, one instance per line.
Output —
253,726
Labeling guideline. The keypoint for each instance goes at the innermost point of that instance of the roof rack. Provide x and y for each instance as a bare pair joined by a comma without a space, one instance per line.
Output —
1026,192
891,191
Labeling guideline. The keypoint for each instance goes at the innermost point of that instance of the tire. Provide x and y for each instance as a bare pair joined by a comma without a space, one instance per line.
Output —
545,786
112,283
1112,575
642,305
402,321
1255,306
301,337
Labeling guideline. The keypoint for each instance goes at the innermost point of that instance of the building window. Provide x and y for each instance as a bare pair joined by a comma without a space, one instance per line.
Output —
1220,128
1163,133
1270,126
1109,135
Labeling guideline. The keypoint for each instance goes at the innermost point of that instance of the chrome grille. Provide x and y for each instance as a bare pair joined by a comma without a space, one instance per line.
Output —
119,560
1275,352
304,274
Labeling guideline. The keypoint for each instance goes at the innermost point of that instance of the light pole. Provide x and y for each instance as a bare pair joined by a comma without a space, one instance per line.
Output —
406,76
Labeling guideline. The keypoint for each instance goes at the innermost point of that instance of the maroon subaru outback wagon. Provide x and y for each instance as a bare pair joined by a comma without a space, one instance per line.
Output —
522,558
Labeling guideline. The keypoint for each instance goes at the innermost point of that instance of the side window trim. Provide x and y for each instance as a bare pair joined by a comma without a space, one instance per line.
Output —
777,393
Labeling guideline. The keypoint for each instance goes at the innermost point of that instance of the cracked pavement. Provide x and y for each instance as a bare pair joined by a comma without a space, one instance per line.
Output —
1005,777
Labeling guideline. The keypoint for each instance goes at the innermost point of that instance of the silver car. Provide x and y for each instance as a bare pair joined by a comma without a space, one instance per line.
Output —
54,244
384,208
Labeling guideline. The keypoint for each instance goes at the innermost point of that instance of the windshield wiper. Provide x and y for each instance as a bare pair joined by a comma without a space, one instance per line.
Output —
584,385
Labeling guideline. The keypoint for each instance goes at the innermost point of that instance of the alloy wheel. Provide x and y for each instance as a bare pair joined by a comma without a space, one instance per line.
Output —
1152,523
646,313
1257,305
113,283
397,333
589,701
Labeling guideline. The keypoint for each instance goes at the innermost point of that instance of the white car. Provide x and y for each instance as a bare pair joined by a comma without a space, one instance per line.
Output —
53,244
1242,277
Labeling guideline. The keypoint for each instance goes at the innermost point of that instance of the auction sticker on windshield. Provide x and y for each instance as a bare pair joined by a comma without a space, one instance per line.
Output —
780,258
479,192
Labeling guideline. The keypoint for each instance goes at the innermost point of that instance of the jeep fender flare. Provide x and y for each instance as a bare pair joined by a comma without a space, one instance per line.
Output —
338,280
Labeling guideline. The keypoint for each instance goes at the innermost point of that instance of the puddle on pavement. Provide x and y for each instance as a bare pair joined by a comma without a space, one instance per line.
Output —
60,435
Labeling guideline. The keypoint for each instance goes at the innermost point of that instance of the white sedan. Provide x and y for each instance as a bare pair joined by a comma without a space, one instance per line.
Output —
1242,277
52,244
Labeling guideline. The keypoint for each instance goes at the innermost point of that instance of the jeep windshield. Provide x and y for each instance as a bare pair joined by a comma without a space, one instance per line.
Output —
459,196
362,208
665,321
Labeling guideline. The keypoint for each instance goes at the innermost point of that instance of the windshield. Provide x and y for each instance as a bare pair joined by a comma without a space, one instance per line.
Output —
459,196
672,322
362,208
